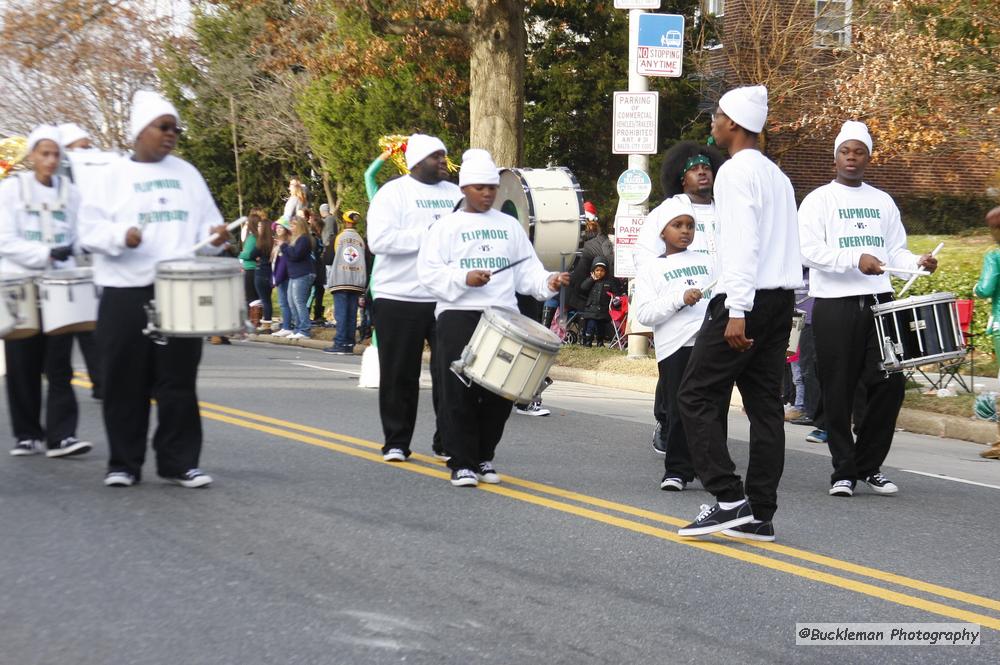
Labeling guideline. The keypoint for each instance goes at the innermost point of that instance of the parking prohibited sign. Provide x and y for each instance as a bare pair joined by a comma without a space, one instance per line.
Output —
661,45
635,123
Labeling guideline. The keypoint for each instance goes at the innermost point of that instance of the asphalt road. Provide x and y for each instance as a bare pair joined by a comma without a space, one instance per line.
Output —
309,549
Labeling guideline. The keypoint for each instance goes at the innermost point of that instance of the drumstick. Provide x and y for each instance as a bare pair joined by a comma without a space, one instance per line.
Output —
508,266
906,271
909,282
215,236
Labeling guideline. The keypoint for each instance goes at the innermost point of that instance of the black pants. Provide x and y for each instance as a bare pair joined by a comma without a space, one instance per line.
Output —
249,286
402,328
319,311
677,462
27,359
712,371
810,377
263,286
472,418
92,359
136,370
847,354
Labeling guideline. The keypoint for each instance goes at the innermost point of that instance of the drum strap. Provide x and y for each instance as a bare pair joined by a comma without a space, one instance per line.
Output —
44,210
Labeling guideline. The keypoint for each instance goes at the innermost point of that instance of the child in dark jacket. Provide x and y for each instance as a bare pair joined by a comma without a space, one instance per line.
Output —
597,290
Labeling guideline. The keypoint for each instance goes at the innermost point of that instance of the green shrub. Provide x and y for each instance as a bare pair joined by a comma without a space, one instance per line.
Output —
943,214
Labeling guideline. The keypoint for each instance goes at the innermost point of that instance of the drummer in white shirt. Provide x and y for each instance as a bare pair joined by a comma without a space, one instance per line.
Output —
456,264
38,229
850,232
151,207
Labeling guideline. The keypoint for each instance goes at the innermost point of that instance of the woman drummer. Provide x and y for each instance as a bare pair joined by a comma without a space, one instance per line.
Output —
150,207
458,263
38,219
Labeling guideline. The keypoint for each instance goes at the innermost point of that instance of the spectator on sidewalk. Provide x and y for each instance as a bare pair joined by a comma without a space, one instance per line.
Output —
596,292
261,257
301,275
279,276
347,282
988,286
318,309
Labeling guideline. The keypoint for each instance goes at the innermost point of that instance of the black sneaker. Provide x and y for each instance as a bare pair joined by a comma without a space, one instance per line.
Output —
712,519
672,483
119,479
464,478
659,447
763,531
26,447
68,447
880,484
191,478
440,454
842,488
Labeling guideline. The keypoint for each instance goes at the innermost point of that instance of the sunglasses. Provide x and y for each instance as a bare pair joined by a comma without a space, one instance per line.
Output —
170,127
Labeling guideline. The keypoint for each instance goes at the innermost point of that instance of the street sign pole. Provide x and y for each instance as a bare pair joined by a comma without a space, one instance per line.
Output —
638,345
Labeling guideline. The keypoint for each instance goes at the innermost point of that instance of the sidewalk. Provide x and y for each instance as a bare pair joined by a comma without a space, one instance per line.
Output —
910,420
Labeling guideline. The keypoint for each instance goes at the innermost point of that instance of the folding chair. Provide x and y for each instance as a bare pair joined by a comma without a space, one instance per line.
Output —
618,308
951,370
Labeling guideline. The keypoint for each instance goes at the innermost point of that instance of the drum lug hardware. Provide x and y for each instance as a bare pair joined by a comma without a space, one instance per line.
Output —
458,366
151,330
890,351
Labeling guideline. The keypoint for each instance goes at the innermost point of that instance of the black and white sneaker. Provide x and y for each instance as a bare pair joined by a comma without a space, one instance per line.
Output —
440,454
672,483
68,447
119,479
659,447
880,484
191,478
763,531
534,408
842,488
26,447
464,478
715,518
488,474
394,455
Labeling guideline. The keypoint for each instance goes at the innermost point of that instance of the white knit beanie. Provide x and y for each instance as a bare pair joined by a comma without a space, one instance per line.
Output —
42,132
747,107
420,146
70,132
147,106
478,168
853,131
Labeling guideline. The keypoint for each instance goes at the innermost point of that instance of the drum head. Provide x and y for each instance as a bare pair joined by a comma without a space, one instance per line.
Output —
10,279
513,198
202,265
521,328
68,275
914,301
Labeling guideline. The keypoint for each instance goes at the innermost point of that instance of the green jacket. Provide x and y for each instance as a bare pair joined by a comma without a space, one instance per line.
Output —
248,247
988,285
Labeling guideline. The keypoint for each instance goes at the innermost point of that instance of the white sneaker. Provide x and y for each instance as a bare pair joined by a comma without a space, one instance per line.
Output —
842,488
284,332
26,447
119,479
394,455
255,303
69,446
297,336
533,409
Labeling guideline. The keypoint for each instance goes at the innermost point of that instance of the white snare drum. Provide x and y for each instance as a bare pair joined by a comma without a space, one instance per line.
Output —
20,302
798,325
918,330
199,297
509,354
549,205
68,299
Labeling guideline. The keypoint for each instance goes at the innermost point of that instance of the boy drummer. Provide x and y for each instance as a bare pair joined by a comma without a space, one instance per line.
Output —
456,263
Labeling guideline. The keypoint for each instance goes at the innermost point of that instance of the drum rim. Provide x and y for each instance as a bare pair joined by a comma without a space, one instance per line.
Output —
927,360
63,276
494,317
209,265
915,301
16,278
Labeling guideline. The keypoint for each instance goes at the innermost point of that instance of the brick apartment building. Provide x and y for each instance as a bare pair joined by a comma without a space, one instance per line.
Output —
809,163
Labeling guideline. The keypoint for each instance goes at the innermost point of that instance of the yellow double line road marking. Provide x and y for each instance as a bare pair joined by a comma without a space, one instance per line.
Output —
371,451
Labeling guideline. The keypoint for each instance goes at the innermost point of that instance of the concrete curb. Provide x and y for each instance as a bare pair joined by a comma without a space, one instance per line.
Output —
911,420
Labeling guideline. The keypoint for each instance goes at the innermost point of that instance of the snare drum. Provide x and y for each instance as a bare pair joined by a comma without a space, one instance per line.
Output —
549,205
69,300
20,302
798,325
199,297
509,354
918,330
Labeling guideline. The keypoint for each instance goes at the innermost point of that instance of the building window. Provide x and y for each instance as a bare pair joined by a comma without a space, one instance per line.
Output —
709,15
833,23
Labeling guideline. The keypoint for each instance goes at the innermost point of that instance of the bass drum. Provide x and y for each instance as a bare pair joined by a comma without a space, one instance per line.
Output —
549,205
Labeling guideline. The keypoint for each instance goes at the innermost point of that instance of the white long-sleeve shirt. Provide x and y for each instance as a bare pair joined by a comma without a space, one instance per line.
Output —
837,225
758,230
659,298
168,200
400,215
30,228
464,241
649,244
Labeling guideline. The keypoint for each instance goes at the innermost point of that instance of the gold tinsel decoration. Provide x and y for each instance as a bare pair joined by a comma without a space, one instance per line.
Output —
12,151
396,145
